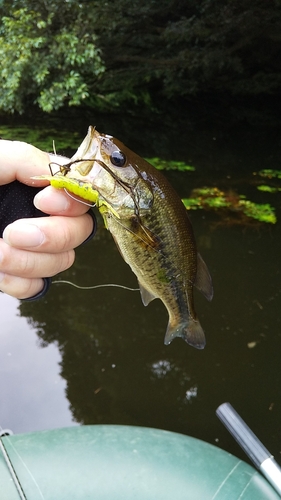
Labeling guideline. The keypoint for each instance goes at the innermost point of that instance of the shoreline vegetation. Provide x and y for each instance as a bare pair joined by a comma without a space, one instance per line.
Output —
143,58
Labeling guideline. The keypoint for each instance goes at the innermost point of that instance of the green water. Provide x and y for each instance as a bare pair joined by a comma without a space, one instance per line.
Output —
112,360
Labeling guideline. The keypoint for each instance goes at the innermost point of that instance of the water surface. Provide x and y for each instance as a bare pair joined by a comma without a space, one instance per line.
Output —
86,357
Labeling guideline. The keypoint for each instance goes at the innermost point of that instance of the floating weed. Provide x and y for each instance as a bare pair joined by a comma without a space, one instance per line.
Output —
41,138
208,198
268,189
269,173
261,212
215,199
160,164
274,176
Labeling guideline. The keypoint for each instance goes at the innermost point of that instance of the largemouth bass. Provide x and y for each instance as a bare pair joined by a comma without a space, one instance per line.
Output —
149,224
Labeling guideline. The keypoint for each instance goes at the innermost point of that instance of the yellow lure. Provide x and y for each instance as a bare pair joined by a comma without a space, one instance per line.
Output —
80,188
83,189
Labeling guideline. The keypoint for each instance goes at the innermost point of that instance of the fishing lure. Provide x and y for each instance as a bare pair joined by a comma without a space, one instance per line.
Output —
77,187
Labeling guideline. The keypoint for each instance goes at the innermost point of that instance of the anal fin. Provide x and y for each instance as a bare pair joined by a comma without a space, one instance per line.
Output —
146,295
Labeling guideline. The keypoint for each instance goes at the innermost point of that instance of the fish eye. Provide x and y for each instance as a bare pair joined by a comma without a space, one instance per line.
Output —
118,158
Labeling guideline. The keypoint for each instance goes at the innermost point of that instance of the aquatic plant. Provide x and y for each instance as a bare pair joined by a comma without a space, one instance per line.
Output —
212,198
170,165
41,138
262,212
269,173
268,189
274,176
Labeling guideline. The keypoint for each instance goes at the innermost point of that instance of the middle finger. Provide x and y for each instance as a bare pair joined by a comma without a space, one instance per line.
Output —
49,234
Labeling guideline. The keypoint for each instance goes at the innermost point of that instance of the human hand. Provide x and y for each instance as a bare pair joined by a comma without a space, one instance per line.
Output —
33,248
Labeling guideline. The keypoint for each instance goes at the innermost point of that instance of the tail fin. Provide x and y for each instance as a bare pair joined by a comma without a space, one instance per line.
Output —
191,332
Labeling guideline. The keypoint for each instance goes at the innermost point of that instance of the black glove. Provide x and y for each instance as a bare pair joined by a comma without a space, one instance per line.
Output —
16,202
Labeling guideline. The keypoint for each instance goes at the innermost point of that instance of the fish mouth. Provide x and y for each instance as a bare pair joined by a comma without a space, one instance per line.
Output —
86,164
84,158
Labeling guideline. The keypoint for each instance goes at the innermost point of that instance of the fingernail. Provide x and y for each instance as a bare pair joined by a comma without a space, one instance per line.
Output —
22,234
51,201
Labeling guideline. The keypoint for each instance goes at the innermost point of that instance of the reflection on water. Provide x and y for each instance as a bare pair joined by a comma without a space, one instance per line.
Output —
191,393
113,360
32,392
161,368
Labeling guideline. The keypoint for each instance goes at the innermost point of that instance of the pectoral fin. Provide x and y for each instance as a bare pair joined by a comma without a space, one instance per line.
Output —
203,279
145,236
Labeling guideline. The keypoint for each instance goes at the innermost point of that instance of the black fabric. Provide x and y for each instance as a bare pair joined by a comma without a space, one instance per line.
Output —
16,202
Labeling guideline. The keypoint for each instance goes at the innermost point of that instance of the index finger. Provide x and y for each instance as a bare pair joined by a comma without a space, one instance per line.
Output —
20,161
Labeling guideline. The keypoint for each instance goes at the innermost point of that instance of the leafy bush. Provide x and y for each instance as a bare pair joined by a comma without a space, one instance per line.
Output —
109,55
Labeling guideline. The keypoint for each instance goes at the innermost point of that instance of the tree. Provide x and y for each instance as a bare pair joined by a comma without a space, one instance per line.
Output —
44,62
58,52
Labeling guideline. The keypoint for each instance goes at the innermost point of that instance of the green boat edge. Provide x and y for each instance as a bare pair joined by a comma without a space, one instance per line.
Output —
123,462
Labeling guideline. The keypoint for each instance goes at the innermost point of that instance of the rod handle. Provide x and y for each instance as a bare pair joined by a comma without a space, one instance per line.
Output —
248,441
252,446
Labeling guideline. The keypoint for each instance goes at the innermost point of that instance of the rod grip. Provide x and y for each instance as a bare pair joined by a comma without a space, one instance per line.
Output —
248,441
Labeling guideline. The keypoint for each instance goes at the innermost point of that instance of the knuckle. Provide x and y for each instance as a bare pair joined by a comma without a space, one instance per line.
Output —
26,265
62,261
29,288
67,238
62,240
69,258
16,262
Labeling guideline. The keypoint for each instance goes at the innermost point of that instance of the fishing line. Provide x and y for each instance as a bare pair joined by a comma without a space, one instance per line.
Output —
79,201
12,470
95,286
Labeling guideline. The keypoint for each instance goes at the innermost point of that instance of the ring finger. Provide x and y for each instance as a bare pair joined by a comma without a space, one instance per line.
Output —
27,264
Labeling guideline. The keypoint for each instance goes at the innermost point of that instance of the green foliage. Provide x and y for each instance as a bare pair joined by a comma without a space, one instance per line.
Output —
170,165
44,64
210,198
109,55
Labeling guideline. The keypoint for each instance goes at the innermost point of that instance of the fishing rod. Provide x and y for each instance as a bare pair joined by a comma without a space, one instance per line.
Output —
250,444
